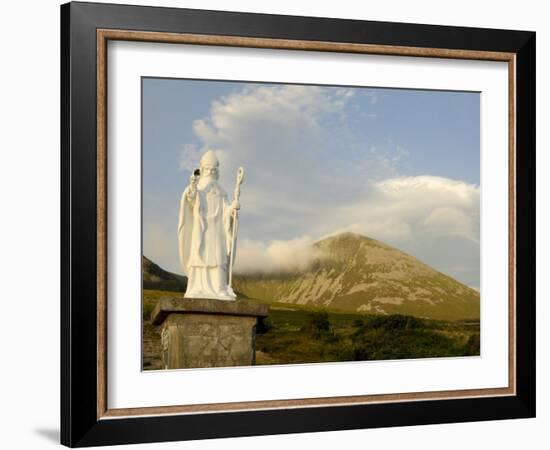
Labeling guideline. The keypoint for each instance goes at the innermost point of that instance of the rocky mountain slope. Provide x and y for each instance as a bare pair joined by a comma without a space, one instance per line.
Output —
357,274
155,277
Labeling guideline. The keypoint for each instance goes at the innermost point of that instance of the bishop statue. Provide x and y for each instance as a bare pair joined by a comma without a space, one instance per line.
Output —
207,232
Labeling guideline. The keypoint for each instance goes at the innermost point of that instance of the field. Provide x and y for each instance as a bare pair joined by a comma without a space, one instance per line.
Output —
291,335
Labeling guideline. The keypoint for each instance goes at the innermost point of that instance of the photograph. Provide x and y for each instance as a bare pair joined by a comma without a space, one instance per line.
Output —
300,223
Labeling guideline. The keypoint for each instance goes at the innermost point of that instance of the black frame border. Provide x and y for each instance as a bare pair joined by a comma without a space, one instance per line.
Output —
79,423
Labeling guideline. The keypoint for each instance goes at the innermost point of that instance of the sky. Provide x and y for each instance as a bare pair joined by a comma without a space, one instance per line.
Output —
398,165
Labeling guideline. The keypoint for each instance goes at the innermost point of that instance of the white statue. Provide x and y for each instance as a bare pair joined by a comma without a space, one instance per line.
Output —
207,232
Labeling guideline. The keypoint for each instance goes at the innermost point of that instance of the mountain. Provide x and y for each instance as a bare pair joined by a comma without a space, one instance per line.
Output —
354,273
156,278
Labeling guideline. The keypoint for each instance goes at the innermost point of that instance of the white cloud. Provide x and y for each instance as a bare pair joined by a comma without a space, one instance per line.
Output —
287,136
450,221
276,256
416,208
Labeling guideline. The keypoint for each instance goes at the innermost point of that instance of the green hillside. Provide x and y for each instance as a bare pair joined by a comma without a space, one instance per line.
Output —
154,277
294,334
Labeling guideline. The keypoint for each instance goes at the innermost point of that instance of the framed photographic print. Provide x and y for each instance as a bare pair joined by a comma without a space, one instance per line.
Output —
277,224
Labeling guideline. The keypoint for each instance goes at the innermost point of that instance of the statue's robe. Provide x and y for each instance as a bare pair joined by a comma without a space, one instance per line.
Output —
204,241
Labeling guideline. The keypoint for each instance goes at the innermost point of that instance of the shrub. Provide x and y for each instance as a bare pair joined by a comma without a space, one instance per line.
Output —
318,321
264,325
472,346
395,322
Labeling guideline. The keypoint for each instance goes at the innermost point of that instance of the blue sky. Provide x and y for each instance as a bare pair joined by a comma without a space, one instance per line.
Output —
401,166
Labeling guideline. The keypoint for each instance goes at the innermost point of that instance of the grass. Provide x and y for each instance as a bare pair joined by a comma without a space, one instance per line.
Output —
296,334
301,336
150,299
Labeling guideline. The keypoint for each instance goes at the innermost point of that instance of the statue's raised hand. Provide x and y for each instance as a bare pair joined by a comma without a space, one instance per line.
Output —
192,190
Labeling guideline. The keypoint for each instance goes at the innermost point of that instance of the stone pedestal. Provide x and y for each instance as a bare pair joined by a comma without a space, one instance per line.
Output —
207,333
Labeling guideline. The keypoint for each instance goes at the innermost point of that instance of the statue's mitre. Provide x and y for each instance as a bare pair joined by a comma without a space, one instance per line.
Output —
209,159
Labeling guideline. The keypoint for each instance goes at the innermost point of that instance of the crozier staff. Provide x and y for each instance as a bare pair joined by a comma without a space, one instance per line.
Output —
236,196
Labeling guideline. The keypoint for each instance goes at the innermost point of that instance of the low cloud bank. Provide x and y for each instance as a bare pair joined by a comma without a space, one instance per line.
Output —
255,257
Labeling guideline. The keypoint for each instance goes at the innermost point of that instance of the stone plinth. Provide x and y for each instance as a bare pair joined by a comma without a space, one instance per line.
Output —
207,333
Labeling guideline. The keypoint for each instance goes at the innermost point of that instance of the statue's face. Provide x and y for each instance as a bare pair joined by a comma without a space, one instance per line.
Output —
209,172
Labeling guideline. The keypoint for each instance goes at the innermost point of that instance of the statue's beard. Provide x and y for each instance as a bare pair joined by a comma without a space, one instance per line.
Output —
207,180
